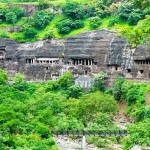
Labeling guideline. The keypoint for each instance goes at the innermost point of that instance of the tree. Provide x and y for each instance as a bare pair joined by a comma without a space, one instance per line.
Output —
91,104
95,22
65,26
20,12
19,78
141,3
30,32
99,82
49,35
73,10
66,80
42,18
3,77
43,4
11,17
74,91
139,134
134,17
117,90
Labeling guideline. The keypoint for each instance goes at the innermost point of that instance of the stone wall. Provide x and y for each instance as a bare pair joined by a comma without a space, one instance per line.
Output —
86,54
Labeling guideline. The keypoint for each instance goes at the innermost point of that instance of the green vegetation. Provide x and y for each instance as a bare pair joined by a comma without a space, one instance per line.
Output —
30,111
134,94
128,18
140,134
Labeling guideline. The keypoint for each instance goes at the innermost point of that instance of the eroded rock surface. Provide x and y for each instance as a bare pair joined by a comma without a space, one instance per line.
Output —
86,54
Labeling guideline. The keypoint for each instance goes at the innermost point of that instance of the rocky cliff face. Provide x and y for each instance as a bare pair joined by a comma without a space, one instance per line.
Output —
85,54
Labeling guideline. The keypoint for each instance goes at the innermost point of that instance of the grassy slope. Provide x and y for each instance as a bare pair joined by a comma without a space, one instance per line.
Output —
55,2
52,25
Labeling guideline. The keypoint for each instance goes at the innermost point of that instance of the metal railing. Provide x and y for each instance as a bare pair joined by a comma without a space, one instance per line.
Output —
100,133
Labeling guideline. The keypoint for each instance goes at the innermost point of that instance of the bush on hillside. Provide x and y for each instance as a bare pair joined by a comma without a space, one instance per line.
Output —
3,77
41,19
139,134
117,88
49,35
134,17
43,4
127,12
20,12
11,17
95,22
66,80
90,104
99,82
30,32
65,26
124,11
113,22
73,10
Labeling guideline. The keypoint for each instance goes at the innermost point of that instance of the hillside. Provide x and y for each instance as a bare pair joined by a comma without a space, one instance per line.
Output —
35,20
29,112
77,66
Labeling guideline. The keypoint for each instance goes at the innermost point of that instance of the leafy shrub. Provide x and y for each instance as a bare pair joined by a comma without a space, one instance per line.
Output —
124,10
142,113
99,82
65,26
127,11
73,10
20,12
49,35
74,91
113,22
19,78
103,119
41,19
11,17
117,90
42,130
68,122
30,32
95,22
139,134
101,10
66,80
90,104
3,77
78,24
43,4
134,17
138,34
89,11
3,34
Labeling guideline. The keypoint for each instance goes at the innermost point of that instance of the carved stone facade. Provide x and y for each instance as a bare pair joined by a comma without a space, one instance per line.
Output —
86,54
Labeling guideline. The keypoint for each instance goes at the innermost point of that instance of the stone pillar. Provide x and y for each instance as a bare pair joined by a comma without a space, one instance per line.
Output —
83,144
82,61
90,62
